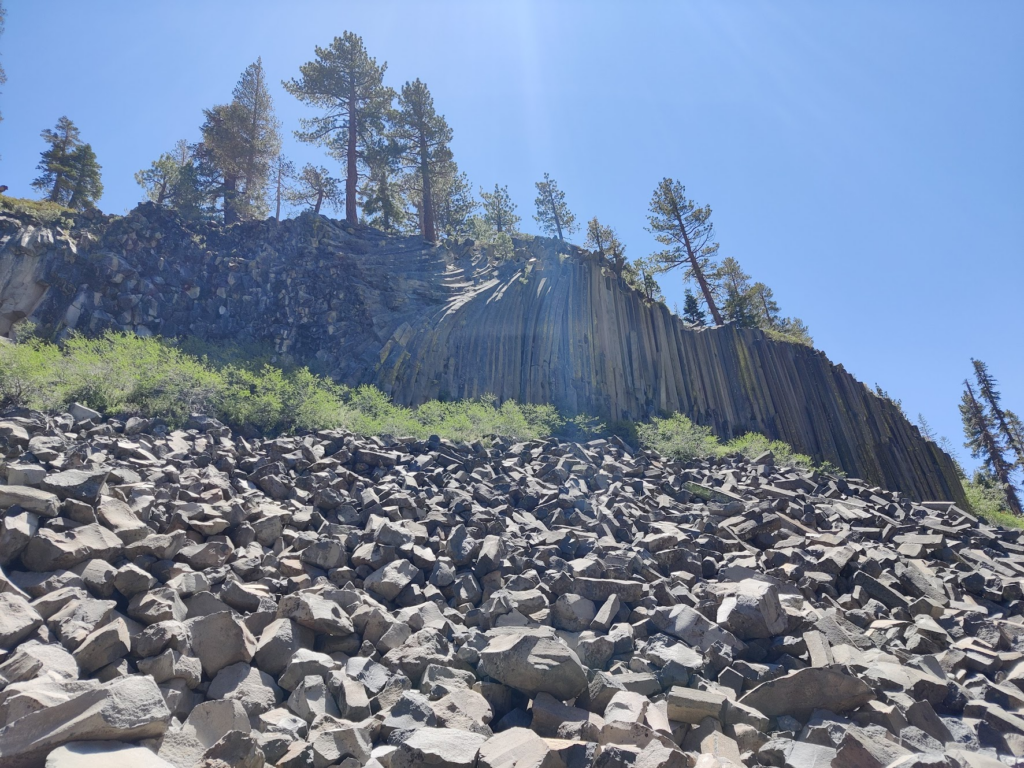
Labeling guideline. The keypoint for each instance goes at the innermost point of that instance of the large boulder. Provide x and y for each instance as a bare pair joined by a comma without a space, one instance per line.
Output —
51,550
126,709
800,693
533,663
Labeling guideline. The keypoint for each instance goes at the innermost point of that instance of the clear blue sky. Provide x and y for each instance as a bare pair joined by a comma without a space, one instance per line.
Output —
864,159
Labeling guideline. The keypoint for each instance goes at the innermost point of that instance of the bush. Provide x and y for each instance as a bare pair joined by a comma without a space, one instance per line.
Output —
988,501
679,438
752,444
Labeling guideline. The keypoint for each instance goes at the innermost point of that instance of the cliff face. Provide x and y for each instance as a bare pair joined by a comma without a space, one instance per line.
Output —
426,322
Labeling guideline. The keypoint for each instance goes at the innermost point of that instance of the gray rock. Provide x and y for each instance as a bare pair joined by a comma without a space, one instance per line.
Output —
126,709
103,754
533,664
253,689
219,640
438,748
79,484
799,693
51,550
103,646
35,500
18,619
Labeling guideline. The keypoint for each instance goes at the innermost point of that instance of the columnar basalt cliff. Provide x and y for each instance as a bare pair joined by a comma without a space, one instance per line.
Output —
551,325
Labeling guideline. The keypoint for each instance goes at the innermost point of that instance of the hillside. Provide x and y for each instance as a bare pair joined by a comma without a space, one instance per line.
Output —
551,325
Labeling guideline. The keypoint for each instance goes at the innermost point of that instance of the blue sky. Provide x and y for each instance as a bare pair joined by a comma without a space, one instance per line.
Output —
863,159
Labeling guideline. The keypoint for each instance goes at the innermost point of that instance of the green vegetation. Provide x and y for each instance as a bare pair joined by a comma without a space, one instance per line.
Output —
680,438
69,172
124,375
43,211
987,500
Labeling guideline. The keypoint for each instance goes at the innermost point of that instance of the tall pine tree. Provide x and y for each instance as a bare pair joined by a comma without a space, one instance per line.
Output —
678,223
979,430
987,387
553,215
347,84
241,140
422,137
69,174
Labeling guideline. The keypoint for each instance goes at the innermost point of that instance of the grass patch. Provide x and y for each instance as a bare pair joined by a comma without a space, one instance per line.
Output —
42,211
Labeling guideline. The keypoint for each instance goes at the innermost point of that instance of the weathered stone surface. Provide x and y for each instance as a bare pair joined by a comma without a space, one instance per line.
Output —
518,748
79,484
800,693
438,748
219,640
128,709
18,619
50,550
533,664
103,754
31,499
104,646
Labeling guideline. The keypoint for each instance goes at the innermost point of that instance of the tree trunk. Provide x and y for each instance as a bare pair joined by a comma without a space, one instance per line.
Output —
554,212
319,201
352,161
230,212
428,201
695,266
277,215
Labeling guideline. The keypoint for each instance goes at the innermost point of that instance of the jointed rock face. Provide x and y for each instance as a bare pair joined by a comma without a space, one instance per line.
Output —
327,600
551,325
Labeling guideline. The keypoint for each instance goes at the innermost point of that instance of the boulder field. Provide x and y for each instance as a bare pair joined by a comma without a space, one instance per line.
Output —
190,598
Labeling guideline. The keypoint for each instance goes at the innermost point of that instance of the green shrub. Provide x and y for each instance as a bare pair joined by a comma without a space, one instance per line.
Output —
753,444
679,438
987,501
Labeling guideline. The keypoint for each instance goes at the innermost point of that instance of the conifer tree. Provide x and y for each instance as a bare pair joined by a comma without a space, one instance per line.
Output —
678,223
161,179
422,136
1015,428
500,211
739,301
693,313
281,174
384,193
983,443
70,174
553,215
241,140
603,241
313,187
766,306
640,276
454,203
987,388
347,84
86,187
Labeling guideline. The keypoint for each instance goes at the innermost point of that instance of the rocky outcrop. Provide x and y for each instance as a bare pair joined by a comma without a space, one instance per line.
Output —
551,325
521,604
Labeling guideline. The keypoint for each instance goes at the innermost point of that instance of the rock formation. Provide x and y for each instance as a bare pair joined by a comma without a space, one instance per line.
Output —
193,599
552,325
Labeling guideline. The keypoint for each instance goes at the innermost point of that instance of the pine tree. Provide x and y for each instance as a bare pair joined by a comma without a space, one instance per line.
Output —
603,241
500,211
1016,431
422,136
314,187
70,174
86,187
766,306
926,429
678,223
454,203
692,311
161,179
281,174
384,198
640,276
348,85
553,215
739,305
241,140
987,388
983,444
